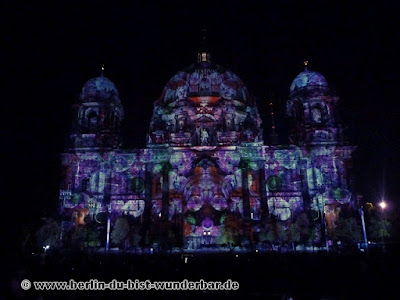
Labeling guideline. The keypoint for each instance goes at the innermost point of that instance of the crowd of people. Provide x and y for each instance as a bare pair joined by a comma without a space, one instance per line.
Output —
260,275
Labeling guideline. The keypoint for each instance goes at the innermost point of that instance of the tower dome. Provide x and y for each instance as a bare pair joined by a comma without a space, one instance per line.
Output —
99,88
307,81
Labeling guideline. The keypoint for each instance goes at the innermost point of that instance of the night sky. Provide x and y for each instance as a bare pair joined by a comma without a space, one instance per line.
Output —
50,49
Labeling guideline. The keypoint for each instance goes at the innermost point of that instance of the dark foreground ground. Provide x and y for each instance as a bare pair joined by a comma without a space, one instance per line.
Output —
260,275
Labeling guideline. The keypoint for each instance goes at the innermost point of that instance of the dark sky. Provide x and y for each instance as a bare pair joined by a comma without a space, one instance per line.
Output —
50,49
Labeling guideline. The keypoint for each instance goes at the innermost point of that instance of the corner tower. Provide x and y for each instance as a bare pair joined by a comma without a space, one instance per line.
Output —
324,159
97,117
312,109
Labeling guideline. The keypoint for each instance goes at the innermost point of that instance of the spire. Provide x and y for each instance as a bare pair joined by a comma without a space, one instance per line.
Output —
271,107
273,136
203,33
203,55
305,62
102,70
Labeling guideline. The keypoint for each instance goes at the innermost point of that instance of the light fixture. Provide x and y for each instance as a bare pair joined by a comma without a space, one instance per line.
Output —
382,204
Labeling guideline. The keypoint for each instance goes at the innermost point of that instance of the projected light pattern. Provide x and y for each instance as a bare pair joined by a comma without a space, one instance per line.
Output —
308,79
205,158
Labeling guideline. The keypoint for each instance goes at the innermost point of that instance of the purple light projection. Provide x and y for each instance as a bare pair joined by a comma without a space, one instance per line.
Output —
205,157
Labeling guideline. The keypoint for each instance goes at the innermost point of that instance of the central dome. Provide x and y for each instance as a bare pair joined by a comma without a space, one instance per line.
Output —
204,82
204,105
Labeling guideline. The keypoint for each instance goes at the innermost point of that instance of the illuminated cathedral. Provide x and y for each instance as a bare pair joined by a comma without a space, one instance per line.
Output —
205,158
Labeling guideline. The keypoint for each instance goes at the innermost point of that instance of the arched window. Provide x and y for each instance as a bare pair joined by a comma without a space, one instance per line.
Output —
81,116
85,183
316,115
91,118
97,182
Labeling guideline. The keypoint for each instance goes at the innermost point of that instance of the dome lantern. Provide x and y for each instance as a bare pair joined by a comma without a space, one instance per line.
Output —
203,56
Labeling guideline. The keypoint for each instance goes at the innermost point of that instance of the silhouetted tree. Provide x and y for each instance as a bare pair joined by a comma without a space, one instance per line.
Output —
86,236
378,228
266,234
301,230
48,234
26,240
230,231
347,230
120,231
281,233
135,237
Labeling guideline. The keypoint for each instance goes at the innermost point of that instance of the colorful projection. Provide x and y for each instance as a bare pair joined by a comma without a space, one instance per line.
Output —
308,79
206,171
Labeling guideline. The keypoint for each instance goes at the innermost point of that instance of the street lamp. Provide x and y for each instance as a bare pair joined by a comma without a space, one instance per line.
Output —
108,227
363,228
383,204
46,248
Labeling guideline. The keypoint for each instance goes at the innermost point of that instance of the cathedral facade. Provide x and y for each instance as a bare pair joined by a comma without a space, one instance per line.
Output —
205,158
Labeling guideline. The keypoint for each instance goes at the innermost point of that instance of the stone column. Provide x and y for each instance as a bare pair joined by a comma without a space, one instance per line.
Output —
148,180
263,188
165,191
244,166
304,185
107,187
